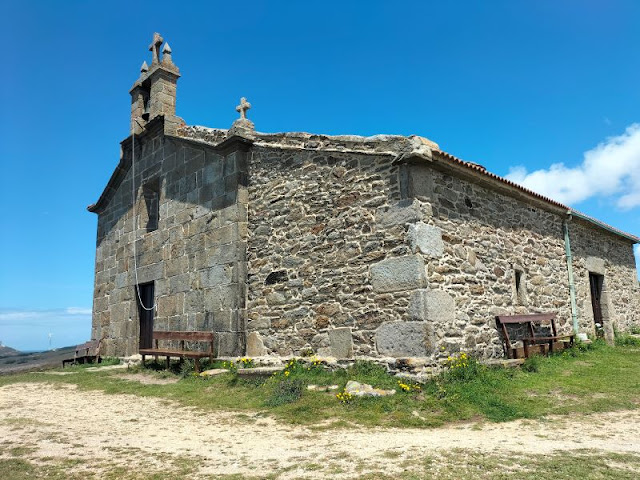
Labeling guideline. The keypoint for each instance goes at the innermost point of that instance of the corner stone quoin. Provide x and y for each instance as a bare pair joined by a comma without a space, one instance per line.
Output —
400,273
426,239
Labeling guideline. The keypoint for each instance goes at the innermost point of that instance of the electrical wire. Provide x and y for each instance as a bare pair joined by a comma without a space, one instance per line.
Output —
135,220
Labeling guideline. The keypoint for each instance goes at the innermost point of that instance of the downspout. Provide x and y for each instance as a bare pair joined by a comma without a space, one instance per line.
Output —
572,286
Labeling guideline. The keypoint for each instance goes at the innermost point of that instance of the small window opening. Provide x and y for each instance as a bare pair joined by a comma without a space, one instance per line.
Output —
145,103
151,194
521,292
276,277
596,283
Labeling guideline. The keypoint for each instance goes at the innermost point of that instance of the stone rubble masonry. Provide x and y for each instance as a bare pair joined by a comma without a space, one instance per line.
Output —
413,260
306,244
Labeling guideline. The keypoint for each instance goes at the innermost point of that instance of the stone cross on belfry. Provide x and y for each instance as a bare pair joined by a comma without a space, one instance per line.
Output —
242,108
155,47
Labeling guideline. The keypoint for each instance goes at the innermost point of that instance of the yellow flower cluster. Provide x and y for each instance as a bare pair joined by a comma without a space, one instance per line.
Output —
409,387
344,397
459,361
245,361
291,365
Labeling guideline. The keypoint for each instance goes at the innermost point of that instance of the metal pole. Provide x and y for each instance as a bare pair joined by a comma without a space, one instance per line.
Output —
572,286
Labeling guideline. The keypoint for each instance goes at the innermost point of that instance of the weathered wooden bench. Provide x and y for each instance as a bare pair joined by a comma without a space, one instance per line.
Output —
177,336
88,352
545,344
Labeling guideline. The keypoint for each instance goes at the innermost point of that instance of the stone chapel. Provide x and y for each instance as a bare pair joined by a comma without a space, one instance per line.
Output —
345,246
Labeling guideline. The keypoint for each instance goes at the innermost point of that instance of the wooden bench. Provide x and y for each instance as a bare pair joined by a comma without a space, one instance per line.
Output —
544,343
88,352
177,336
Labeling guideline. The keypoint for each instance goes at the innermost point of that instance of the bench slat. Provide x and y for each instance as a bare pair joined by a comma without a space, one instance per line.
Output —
538,317
557,337
187,335
173,353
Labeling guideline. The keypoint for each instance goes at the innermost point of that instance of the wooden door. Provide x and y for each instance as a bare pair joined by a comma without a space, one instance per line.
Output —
595,282
146,291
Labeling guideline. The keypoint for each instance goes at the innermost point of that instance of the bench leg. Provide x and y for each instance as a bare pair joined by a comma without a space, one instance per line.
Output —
168,362
197,364
525,344
143,360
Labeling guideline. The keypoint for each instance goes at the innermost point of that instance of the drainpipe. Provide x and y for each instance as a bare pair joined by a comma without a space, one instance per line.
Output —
572,286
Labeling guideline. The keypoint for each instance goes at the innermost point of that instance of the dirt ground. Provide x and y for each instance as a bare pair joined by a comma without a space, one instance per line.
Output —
93,427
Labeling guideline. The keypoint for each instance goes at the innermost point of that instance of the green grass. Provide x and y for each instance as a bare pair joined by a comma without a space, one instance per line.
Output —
448,465
600,378
461,463
626,340
104,362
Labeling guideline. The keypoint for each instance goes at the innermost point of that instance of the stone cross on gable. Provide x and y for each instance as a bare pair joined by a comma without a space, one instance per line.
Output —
242,108
155,47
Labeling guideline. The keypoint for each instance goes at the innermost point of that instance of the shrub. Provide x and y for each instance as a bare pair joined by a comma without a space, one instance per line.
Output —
634,329
626,340
531,364
371,373
106,361
186,368
287,390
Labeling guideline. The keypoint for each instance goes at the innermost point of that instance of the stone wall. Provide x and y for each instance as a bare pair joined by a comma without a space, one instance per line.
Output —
352,255
312,240
605,254
490,239
196,257
344,246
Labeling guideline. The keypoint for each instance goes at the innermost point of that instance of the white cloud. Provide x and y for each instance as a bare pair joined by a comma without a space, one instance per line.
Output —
78,311
611,169
56,315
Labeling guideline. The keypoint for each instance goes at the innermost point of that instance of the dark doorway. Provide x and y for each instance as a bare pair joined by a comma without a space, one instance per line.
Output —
595,282
145,314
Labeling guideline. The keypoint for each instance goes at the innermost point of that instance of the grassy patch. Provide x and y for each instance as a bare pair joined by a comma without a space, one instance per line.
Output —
461,463
449,465
581,380
627,340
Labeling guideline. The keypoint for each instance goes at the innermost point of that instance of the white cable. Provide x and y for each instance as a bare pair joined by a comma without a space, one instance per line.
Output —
135,222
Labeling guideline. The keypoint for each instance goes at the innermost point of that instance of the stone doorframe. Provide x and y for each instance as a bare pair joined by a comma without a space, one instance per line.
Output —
595,265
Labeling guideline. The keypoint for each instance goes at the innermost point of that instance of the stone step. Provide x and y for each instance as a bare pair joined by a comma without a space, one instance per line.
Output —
504,362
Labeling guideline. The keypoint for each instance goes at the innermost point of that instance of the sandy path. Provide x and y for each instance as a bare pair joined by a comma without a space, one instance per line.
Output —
61,421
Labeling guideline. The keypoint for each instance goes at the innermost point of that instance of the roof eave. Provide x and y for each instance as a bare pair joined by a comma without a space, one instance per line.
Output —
498,181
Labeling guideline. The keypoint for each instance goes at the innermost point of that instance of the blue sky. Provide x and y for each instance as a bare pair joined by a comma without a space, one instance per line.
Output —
547,92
